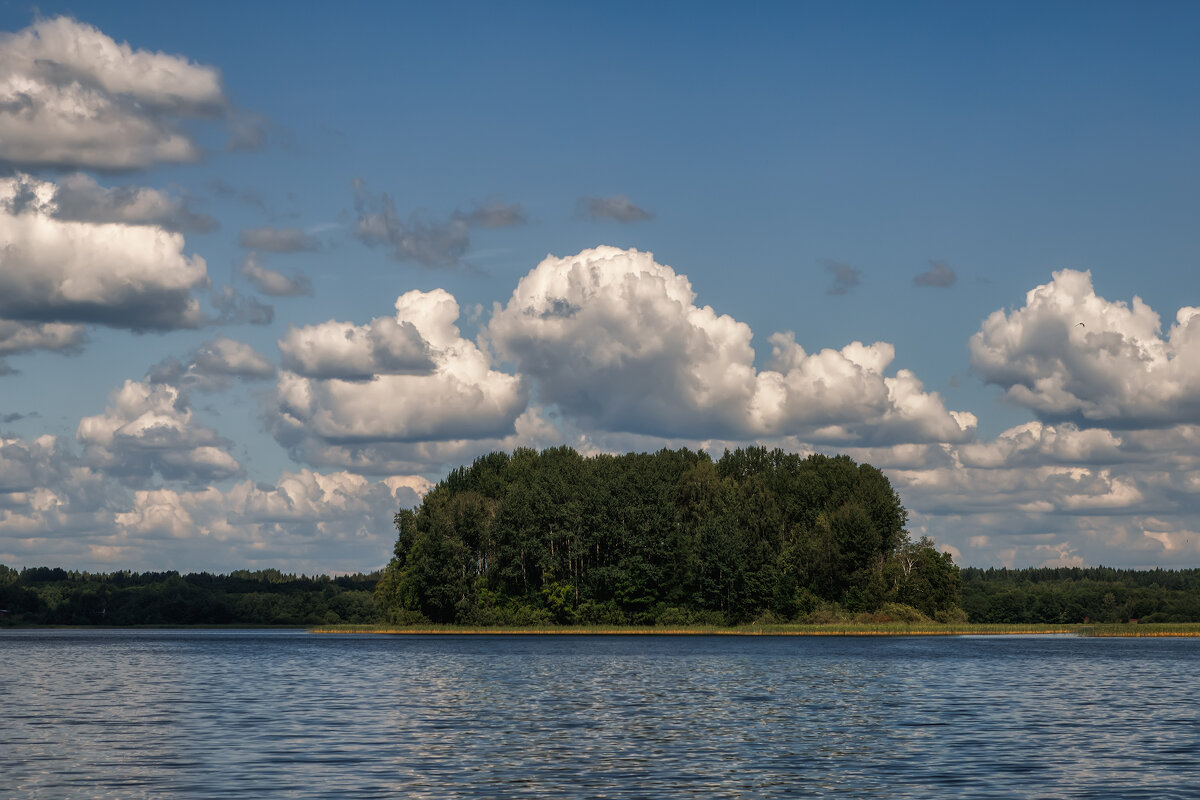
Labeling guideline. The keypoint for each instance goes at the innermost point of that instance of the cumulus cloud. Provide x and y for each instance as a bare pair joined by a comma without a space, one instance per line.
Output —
615,339
56,508
408,379
126,276
617,208
938,275
420,239
225,356
80,198
147,430
273,282
213,366
844,276
278,240
1069,354
344,351
432,456
27,465
1054,494
71,96
317,513
22,337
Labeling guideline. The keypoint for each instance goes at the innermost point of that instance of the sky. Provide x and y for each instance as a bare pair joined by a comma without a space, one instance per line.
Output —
266,277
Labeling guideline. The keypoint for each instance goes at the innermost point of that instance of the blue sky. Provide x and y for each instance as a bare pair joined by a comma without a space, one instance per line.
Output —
867,228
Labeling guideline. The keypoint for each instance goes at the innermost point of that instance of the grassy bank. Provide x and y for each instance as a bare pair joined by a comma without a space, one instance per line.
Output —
836,629
1152,629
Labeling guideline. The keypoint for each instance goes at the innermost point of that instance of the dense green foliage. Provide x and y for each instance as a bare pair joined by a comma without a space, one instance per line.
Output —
665,538
1081,594
46,596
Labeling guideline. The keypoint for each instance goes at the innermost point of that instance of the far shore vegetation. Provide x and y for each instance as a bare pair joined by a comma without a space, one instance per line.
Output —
1111,630
755,543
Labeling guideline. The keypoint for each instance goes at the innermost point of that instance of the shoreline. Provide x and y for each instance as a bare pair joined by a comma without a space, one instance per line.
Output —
749,630
1183,630
1114,630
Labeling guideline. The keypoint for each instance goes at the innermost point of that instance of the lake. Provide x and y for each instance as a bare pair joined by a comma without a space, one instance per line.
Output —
275,714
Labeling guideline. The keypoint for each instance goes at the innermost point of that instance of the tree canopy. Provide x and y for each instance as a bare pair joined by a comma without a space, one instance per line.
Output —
667,537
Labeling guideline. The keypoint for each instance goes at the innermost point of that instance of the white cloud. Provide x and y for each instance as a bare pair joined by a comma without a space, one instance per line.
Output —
71,96
213,365
1069,354
436,456
149,430
225,356
615,340
129,276
1035,443
408,379
80,198
19,337
311,521
56,510
342,350
23,337
1042,493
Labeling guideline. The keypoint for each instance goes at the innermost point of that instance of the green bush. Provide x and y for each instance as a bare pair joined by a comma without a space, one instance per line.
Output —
899,612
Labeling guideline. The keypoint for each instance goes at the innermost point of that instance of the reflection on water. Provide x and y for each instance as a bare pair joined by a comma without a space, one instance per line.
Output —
203,714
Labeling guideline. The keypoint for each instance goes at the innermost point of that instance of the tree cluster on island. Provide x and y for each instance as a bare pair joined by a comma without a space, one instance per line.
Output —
666,538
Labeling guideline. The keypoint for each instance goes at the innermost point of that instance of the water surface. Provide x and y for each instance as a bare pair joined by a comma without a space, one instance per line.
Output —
270,714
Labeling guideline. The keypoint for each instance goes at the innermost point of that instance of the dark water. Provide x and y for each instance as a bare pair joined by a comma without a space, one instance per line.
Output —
269,715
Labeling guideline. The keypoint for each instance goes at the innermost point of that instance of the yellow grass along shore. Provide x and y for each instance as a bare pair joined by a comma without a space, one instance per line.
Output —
848,629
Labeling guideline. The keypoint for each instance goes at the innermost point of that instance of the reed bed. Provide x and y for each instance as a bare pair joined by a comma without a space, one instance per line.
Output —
1149,629
835,629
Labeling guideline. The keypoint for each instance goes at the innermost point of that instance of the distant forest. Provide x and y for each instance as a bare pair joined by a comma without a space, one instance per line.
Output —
1081,594
52,596
668,538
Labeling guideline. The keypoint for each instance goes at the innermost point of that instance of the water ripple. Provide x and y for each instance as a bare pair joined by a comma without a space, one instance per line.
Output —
152,714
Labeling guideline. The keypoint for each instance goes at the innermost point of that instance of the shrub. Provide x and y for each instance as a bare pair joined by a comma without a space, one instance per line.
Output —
899,612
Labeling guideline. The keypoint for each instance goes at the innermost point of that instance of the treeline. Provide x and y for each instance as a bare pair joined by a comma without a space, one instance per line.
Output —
52,596
665,538
1081,594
